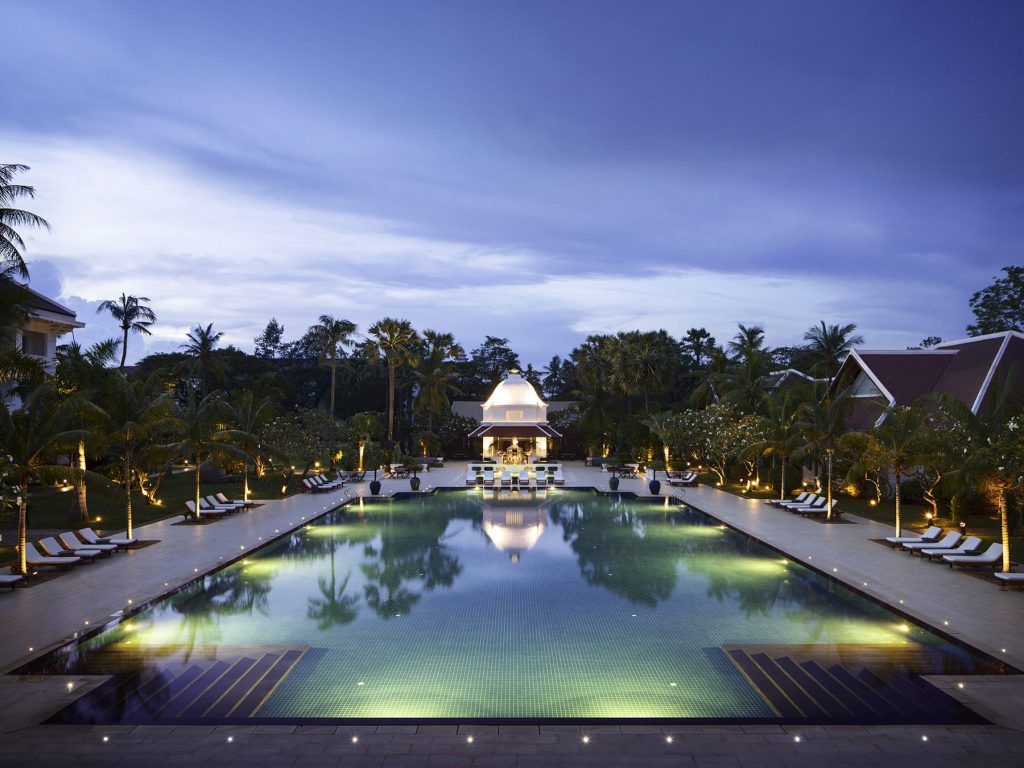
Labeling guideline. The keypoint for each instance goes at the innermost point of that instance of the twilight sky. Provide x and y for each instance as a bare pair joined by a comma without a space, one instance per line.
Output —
533,170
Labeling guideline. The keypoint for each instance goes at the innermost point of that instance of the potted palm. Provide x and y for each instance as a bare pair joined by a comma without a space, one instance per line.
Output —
655,485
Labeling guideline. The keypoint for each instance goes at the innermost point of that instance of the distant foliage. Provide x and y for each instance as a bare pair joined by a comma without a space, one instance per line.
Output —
1000,306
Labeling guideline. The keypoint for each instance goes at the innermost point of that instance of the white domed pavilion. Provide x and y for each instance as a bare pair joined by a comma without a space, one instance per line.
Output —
515,427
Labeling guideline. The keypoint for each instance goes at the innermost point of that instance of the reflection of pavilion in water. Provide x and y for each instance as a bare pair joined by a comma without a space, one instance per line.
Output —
514,523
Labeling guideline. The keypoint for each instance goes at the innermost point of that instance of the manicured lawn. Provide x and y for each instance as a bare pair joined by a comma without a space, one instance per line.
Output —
50,508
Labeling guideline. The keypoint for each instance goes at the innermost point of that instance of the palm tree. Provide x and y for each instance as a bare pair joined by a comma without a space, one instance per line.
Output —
132,314
994,454
329,336
660,425
200,345
822,425
248,413
12,258
435,383
133,417
81,375
783,436
896,446
442,346
394,341
201,434
711,379
749,340
830,344
34,436
364,426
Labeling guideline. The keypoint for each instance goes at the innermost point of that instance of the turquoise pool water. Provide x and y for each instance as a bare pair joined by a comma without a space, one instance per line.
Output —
515,605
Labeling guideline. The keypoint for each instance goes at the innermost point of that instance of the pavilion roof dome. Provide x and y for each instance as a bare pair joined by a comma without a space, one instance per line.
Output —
514,390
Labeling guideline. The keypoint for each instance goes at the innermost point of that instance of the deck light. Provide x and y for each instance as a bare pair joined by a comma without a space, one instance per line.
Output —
924,738
796,739
960,686
70,686
106,739
355,739
30,649
230,739
586,739
668,739
469,739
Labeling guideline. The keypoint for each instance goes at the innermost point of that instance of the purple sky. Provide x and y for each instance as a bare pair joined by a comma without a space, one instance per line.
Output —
535,170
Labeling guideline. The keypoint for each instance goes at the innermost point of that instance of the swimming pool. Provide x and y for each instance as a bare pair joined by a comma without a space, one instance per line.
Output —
516,605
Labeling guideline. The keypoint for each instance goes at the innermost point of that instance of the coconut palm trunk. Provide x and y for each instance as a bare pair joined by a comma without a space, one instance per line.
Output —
124,348
782,479
896,497
128,489
23,529
81,494
391,399
1004,529
197,485
828,486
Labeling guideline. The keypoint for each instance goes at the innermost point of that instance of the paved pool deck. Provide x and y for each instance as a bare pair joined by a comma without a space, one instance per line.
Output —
46,615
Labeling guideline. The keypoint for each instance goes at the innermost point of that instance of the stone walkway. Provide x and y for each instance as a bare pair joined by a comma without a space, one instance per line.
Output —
49,613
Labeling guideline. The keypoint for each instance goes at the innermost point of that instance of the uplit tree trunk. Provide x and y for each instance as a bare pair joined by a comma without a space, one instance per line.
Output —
391,400
828,489
81,497
782,481
128,489
896,497
245,481
23,529
197,485
1004,529
665,449
362,448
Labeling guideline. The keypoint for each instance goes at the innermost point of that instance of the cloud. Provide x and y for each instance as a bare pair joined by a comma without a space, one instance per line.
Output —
205,249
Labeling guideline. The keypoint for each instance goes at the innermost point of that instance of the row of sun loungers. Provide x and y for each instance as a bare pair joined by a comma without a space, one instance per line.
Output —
953,549
544,475
807,504
67,550
320,483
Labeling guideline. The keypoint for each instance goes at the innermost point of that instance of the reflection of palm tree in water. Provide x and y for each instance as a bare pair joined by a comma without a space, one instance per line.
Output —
226,593
618,549
409,552
334,607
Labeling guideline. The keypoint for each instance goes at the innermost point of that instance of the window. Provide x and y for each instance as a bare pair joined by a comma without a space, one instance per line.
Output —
513,415
33,343
863,386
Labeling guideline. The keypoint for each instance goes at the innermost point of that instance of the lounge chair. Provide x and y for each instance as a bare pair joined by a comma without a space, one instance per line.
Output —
506,478
818,503
225,500
203,512
949,541
931,535
540,477
489,476
35,559
1010,579
822,511
206,505
472,475
557,475
971,546
53,548
70,542
990,558
234,506
89,536
801,499
805,503
10,580
682,478
329,485
524,479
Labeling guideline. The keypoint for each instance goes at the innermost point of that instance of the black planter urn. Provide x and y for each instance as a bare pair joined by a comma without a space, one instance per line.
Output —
375,487
613,483
655,487
414,483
